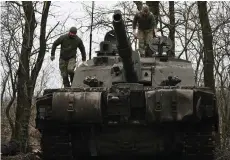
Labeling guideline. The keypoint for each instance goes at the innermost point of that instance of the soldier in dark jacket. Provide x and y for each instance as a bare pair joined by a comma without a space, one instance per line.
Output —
67,62
146,26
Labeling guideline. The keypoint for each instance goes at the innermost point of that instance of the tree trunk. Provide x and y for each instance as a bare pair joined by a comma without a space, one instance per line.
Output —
138,4
154,8
24,97
172,26
208,47
42,51
26,83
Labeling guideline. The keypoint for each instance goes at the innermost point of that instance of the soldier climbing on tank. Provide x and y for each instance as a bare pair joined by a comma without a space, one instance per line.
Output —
67,62
146,27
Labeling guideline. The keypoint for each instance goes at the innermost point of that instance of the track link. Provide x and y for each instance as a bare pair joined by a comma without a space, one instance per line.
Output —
55,145
199,143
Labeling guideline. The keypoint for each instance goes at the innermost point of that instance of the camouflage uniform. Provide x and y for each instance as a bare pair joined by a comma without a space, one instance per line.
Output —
67,62
144,36
67,69
146,24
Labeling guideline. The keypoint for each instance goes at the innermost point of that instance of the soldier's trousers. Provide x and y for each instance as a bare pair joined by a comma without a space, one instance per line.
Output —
67,70
144,36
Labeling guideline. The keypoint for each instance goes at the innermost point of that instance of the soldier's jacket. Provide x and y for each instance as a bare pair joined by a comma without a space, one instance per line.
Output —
144,23
69,47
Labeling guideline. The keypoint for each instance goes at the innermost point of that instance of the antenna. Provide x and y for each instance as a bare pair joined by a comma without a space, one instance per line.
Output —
91,28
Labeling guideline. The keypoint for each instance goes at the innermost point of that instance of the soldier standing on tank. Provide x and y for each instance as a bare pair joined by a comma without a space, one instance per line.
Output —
146,27
67,62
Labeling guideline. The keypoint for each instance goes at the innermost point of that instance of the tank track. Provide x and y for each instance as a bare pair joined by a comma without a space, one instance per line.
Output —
55,145
80,143
199,142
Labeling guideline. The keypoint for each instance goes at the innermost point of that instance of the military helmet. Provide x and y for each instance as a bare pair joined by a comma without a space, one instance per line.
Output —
73,30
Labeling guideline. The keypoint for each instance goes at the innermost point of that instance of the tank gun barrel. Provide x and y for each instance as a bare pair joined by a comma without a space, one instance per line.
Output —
124,47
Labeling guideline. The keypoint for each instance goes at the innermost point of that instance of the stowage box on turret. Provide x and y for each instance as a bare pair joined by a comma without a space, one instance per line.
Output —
125,104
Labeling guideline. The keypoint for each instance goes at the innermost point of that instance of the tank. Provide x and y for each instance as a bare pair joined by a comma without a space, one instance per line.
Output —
125,104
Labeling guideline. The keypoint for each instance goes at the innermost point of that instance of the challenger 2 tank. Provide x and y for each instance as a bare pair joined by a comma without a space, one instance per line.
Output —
125,104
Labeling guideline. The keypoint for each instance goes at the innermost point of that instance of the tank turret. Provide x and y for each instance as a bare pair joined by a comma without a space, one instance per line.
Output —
124,47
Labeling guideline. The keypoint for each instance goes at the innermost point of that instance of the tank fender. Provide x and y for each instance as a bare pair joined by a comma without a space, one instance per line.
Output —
168,105
77,107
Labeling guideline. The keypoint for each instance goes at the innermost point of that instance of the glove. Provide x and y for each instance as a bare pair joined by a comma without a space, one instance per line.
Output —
52,58
134,34
157,33
83,64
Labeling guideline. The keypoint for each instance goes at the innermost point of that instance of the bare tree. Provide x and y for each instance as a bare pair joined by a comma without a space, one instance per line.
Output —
172,26
28,61
208,46
221,43
26,82
10,26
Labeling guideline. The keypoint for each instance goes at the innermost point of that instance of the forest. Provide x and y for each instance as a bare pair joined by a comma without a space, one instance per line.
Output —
199,30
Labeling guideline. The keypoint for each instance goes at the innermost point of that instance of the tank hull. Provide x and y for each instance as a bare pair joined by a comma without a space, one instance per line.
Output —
110,126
